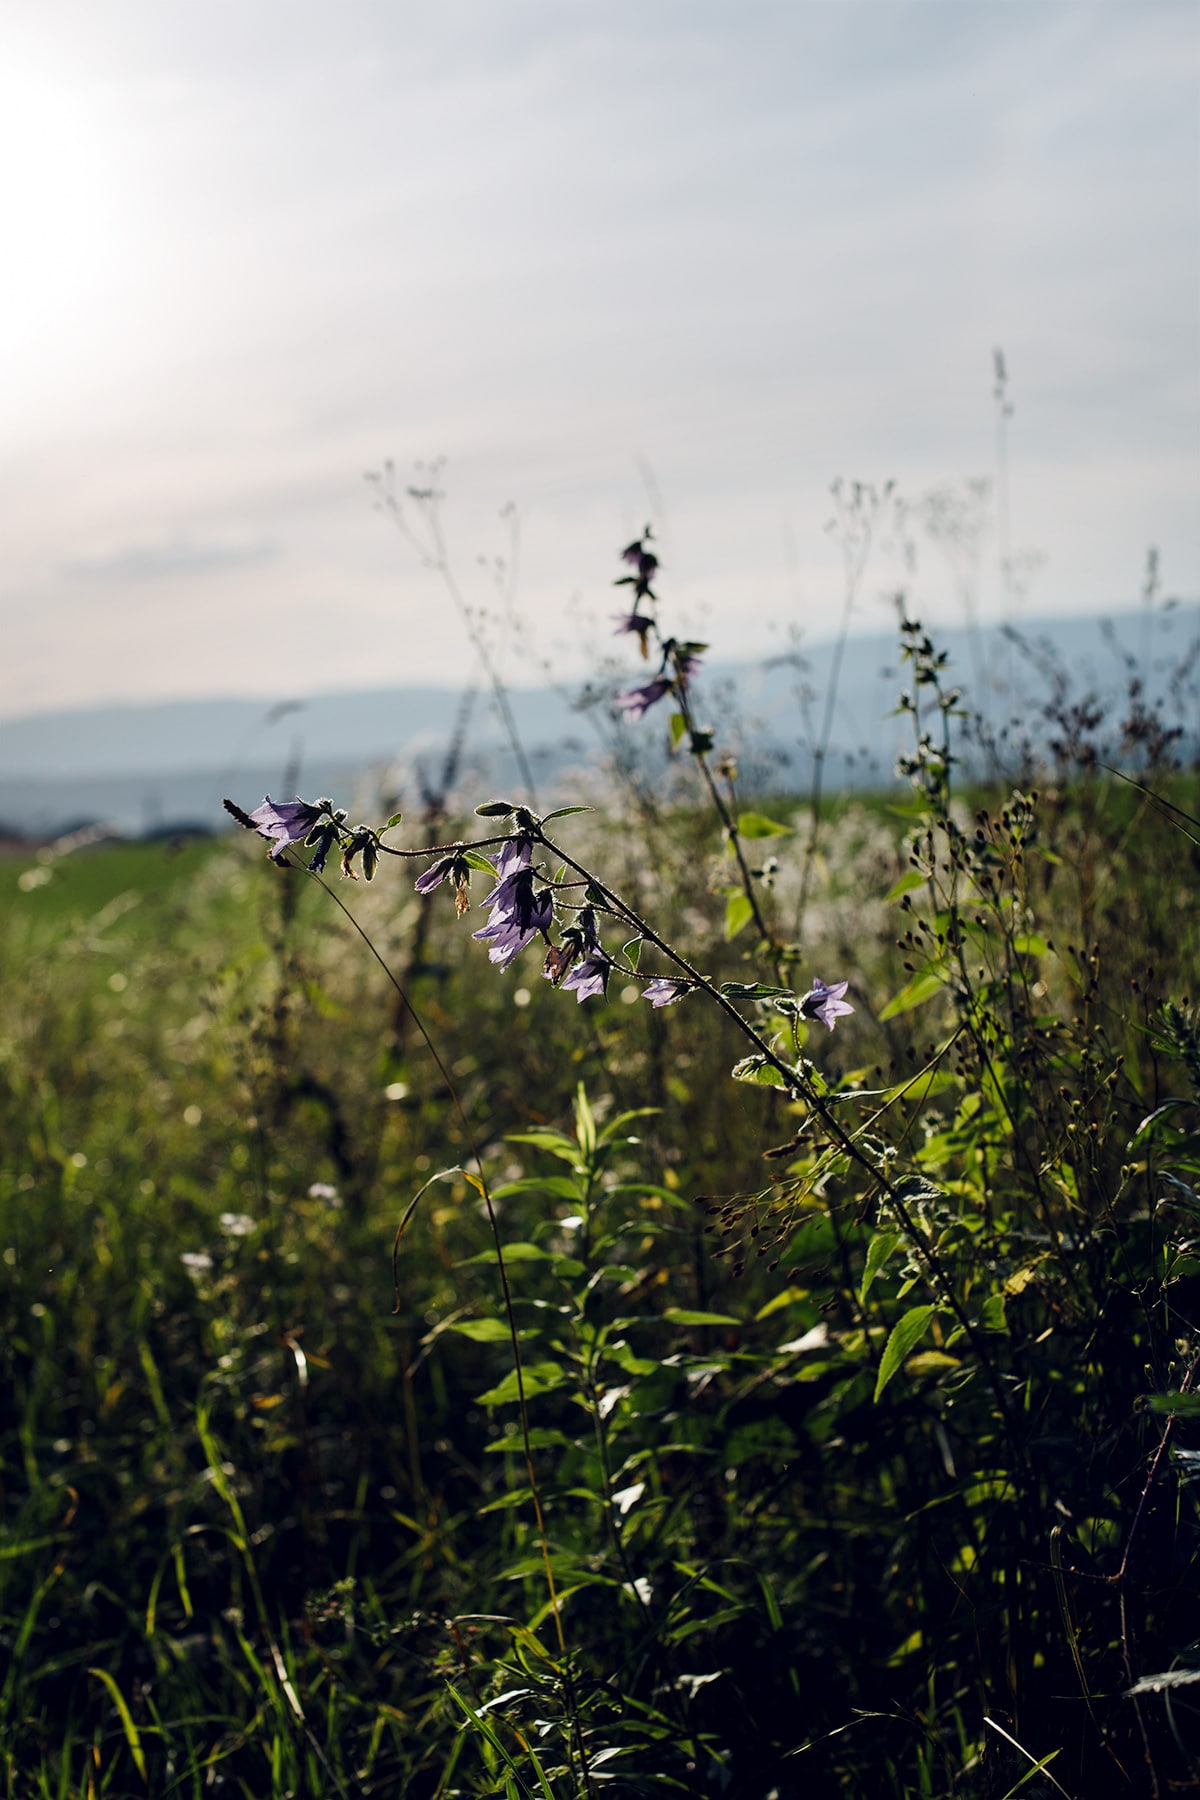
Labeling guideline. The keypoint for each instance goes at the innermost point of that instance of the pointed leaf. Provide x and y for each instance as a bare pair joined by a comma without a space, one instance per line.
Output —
757,825
878,1252
906,1335
738,914
758,1069
907,882
922,987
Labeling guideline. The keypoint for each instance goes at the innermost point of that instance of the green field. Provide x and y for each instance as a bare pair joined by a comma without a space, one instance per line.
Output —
862,1442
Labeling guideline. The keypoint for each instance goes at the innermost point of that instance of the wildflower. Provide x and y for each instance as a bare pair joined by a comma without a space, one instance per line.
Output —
323,839
285,822
517,912
435,875
458,870
590,976
644,562
687,661
662,991
638,700
826,1003
642,623
362,841
511,932
580,946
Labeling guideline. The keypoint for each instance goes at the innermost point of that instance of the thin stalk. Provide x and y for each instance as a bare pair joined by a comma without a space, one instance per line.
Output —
510,1315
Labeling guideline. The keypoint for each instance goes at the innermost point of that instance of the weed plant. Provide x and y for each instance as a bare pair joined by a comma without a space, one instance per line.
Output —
830,1429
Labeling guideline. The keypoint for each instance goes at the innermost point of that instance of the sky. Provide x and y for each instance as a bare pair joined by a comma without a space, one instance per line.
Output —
672,260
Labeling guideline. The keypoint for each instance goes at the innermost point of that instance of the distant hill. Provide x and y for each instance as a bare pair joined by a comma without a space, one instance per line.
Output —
150,767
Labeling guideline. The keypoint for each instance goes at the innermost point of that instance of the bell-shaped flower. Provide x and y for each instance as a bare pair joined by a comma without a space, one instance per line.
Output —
662,991
826,1002
638,700
284,822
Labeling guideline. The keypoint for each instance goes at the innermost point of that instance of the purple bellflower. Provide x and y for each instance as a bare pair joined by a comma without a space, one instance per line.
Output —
517,913
662,991
642,623
434,875
645,563
686,664
580,946
284,822
589,976
638,700
827,1003
454,868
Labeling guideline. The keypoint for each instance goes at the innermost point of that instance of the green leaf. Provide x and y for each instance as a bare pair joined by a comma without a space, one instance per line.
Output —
758,1069
879,1251
992,1317
922,987
1186,1405
757,825
394,820
906,1335
541,1437
686,1315
539,1378
513,1253
678,727
132,1737
473,860
514,1497
632,951
483,1331
788,1297
560,1187
1030,943
752,990
738,913
564,812
905,885
585,1123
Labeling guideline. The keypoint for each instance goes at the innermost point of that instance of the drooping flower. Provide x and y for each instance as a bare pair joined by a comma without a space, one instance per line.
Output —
454,868
589,976
434,875
825,1002
580,940
284,822
662,991
517,913
361,842
645,562
638,700
687,661
510,932
642,624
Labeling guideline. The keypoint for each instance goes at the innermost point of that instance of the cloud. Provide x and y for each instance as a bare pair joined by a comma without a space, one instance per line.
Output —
164,561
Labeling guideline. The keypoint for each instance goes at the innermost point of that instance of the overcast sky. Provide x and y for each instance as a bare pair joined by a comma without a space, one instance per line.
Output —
673,259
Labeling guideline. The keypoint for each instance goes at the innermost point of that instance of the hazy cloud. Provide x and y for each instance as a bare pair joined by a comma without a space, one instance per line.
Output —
165,561
257,249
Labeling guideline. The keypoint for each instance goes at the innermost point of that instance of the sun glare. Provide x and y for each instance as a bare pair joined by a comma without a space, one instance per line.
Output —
64,224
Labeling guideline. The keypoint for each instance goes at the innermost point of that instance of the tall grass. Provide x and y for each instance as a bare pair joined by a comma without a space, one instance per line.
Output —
853,1447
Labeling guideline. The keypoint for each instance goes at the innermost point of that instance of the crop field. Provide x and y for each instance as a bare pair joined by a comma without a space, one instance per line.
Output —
682,1374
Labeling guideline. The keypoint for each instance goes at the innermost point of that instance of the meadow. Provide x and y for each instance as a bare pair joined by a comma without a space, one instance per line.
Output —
416,1383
